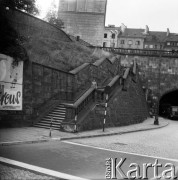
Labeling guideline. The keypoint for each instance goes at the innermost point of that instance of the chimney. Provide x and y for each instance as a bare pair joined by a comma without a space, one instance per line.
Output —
78,38
123,28
146,30
168,32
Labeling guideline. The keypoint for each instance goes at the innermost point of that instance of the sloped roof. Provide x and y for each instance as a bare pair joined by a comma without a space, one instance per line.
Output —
130,32
156,36
172,37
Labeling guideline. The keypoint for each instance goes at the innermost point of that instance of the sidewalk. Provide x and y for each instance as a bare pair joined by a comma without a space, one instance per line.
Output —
11,136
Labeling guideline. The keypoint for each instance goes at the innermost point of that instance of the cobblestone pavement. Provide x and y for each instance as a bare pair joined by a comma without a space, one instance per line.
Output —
12,173
159,142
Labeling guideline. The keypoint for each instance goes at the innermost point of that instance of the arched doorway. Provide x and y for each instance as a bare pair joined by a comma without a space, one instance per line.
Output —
169,103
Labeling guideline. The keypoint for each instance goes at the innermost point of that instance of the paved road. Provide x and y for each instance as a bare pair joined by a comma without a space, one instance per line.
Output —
159,142
73,159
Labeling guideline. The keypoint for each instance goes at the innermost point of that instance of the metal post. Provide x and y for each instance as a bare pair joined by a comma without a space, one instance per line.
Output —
50,134
75,126
105,111
156,121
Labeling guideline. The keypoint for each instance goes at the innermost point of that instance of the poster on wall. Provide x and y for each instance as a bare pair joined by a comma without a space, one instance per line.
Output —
11,78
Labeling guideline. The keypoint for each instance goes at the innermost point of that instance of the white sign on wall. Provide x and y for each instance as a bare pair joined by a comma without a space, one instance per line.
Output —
11,78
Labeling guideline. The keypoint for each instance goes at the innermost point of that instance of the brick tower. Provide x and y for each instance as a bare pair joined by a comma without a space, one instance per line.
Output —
84,18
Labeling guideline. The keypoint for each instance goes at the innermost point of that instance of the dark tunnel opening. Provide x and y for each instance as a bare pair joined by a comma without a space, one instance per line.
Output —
168,105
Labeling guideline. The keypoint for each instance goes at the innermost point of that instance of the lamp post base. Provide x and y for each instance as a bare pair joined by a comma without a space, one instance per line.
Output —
156,121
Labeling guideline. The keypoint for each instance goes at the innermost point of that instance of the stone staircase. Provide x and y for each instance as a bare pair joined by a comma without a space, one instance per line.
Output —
54,118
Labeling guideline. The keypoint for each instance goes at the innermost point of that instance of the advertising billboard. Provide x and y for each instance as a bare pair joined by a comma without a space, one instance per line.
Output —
11,79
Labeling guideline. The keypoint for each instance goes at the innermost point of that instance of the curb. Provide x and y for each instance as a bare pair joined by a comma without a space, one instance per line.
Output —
79,137
22,142
39,170
115,133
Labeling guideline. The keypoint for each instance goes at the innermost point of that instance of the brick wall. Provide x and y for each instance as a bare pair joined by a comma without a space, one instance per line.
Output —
149,72
124,107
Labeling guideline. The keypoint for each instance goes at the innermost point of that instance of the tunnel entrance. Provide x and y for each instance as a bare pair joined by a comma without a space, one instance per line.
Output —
168,105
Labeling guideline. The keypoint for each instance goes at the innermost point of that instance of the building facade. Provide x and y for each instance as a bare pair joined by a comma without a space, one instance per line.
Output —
110,36
171,41
84,19
130,38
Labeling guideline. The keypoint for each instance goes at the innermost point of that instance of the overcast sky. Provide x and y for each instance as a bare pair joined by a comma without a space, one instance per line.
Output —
157,14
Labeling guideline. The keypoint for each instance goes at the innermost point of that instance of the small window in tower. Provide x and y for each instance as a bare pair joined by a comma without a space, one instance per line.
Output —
122,42
130,42
105,35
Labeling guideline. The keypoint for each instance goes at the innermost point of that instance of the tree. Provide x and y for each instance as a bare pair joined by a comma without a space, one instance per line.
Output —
24,5
52,16
10,41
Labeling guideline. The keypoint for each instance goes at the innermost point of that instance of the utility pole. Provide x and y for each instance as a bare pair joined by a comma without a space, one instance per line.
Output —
156,121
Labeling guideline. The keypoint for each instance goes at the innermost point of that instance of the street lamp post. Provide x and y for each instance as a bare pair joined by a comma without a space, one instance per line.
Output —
156,121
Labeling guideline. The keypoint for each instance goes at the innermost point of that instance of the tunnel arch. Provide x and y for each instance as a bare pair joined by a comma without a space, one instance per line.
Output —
167,100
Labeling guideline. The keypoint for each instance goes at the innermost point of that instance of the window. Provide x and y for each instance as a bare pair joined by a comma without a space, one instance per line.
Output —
146,45
105,35
130,42
137,42
113,36
168,43
151,46
122,42
156,46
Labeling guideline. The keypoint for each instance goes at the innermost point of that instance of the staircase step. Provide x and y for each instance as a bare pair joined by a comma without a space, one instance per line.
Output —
56,114
59,111
49,123
58,107
54,119
46,127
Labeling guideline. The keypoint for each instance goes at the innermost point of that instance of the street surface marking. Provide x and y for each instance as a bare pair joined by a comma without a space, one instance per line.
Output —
90,146
40,169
